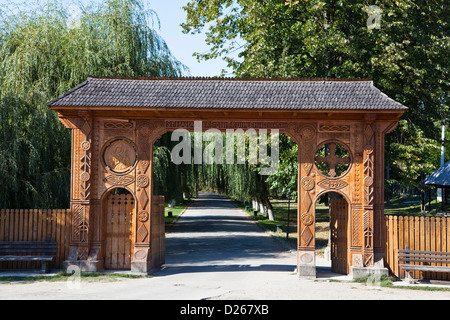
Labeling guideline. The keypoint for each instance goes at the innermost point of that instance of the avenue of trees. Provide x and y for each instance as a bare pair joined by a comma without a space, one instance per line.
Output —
43,56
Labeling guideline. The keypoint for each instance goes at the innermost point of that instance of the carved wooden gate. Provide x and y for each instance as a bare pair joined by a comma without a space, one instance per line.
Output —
339,229
119,212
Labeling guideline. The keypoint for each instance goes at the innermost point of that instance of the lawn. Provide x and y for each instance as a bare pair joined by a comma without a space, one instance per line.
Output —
399,205
280,224
410,205
176,211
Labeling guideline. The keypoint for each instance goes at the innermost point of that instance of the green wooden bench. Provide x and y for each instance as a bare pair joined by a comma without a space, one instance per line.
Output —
44,252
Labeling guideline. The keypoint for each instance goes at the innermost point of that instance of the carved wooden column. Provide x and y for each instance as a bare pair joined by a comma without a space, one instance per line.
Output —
147,243
306,260
368,191
356,219
81,203
141,251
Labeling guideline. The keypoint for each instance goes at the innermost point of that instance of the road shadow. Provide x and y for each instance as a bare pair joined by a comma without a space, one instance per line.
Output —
215,236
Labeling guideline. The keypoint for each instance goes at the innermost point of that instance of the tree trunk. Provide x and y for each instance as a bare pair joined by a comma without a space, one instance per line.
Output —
268,208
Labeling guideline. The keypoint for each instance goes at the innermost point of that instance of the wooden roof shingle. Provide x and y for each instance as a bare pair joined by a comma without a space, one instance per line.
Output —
223,93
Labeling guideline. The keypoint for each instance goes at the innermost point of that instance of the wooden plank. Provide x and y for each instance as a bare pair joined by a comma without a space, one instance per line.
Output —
67,226
2,224
65,215
438,240
115,230
418,237
20,226
401,241
129,228
426,236
44,224
35,225
16,225
447,239
424,260
39,225
108,242
425,268
395,244
8,232
58,238
391,241
16,231
35,233
30,231
27,265
121,227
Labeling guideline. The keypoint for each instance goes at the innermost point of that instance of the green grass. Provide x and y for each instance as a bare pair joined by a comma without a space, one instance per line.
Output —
176,211
387,281
280,211
383,281
64,276
409,205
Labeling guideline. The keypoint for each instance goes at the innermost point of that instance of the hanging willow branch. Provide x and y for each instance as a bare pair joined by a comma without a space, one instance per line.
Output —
41,57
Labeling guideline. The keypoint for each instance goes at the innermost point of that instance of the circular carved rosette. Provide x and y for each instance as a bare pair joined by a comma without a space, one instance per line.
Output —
308,133
143,216
368,181
307,219
86,145
85,176
142,181
308,183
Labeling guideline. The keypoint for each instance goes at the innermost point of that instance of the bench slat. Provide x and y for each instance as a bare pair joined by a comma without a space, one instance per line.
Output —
425,261
424,252
424,268
26,249
26,258
422,256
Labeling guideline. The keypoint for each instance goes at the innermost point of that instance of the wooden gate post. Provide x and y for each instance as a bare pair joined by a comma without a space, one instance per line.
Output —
148,251
306,258
371,258
84,237
141,253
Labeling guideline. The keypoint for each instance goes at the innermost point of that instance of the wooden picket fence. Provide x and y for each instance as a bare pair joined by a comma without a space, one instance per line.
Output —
36,225
419,233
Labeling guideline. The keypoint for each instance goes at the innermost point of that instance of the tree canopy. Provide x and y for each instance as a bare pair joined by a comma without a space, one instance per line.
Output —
402,45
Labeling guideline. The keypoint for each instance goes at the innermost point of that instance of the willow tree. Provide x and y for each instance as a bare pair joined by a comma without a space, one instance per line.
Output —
43,54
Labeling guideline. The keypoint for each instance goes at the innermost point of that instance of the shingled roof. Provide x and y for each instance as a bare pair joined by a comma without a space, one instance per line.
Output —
441,177
223,93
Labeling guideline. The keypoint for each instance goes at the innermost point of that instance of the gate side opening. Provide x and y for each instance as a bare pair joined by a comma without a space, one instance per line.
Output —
118,231
331,231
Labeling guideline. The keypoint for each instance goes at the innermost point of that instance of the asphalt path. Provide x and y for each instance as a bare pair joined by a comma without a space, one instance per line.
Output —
216,252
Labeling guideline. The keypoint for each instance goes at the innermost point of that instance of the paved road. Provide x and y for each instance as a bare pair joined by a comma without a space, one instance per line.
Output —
216,252
213,235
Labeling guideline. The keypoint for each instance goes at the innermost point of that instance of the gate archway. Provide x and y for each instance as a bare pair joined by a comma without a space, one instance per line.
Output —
115,122
339,226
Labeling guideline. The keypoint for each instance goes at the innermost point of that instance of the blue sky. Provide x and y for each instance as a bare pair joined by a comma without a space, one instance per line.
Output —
171,15
182,46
